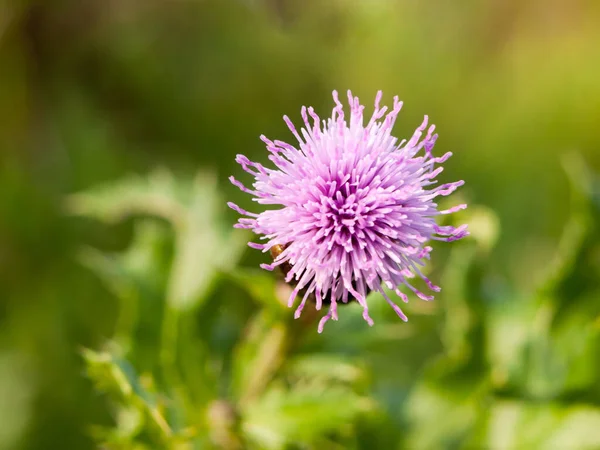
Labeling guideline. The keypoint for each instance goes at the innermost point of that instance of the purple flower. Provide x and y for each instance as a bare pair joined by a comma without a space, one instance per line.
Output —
356,208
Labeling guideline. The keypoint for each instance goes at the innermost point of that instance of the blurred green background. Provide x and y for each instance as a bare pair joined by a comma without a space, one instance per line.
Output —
131,314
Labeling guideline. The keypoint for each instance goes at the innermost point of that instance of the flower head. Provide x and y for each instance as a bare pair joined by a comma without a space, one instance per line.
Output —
355,207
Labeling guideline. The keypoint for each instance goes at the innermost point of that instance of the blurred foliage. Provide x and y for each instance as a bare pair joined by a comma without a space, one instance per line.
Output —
131,316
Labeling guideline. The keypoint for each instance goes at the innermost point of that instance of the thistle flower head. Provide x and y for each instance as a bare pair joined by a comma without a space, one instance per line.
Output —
355,209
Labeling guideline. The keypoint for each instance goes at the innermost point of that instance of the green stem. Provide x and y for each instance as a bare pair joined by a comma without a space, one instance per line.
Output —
168,350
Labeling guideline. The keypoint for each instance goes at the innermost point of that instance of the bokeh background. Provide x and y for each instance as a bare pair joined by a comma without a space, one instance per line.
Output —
133,317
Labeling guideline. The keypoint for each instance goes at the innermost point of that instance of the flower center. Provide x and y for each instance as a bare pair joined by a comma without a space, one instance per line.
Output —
342,217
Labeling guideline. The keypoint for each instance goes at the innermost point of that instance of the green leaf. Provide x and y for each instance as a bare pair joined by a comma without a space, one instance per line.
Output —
576,340
517,424
136,276
302,414
325,368
507,334
203,246
158,195
117,377
264,287
578,228
258,356
453,404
